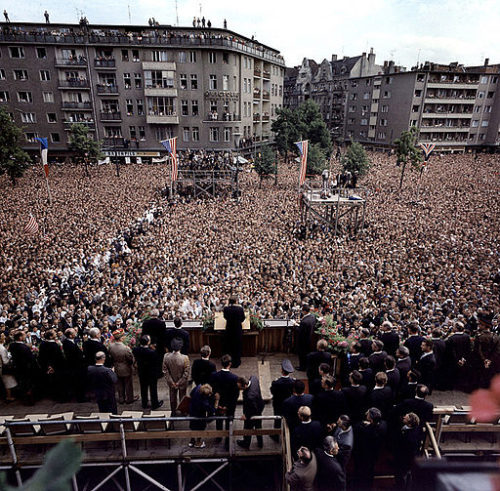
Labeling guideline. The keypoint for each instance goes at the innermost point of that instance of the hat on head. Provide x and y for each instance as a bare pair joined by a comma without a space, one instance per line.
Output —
286,366
176,344
118,333
485,318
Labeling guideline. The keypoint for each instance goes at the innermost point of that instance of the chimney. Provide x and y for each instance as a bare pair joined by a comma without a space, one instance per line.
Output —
334,58
486,61
371,57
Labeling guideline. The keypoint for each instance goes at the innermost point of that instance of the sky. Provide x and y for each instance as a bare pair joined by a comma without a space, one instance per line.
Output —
405,31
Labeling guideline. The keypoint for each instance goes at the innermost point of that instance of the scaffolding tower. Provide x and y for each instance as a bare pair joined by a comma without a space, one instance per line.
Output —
208,183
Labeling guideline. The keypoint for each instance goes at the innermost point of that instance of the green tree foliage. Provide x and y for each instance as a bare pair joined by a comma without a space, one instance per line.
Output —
316,159
312,127
61,463
265,164
286,130
85,147
408,152
13,159
355,159
303,123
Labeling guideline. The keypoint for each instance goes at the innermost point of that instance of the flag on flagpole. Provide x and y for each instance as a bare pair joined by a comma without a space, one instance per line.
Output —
303,147
170,146
427,148
44,149
31,227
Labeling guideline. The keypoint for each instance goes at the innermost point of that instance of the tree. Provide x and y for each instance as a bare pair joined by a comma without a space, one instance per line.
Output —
264,163
286,130
407,151
312,127
13,159
355,160
85,147
316,159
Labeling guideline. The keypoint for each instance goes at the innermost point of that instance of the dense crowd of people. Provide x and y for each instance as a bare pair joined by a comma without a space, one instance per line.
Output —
419,288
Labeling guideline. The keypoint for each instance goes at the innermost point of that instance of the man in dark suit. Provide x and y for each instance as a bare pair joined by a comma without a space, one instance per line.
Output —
365,342
369,437
329,404
458,351
53,365
155,328
233,335
147,368
418,405
92,346
225,388
389,337
292,404
77,368
281,389
315,385
403,363
393,376
378,356
426,365
202,368
308,433
102,382
304,336
177,332
316,358
26,370
408,389
253,405
439,350
355,397
367,373
414,343
381,396
330,475
407,447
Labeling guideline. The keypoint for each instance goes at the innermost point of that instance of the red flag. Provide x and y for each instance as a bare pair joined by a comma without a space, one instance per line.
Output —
303,146
31,227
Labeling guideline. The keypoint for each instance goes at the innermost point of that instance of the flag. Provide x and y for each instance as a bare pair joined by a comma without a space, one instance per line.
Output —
427,148
31,227
303,146
44,148
170,146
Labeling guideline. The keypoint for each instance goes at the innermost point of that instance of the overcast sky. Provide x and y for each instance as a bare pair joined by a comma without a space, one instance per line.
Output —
403,30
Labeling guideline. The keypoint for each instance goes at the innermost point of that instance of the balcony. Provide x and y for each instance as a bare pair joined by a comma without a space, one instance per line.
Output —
256,118
68,123
221,118
114,142
453,85
159,65
80,61
444,129
160,92
107,89
266,74
266,118
155,117
265,95
256,93
449,100
257,73
74,84
84,106
444,114
104,63
110,116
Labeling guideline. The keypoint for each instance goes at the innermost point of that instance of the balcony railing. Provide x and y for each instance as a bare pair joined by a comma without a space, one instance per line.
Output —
265,95
76,84
222,117
256,93
113,142
104,63
257,72
256,118
107,89
266,118
266,74
77,105
89,124
111,116
78,61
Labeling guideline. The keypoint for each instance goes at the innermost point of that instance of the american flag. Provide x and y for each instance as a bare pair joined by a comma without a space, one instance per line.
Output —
31,227
427,148
170,146
303,146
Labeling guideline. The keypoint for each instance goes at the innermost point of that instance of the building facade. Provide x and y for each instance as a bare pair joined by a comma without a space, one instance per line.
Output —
133,86
455,107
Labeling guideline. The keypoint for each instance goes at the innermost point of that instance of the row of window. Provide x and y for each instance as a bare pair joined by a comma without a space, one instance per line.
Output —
22,74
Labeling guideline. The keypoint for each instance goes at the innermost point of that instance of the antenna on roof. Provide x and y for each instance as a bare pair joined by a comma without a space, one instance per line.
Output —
176,14
129,16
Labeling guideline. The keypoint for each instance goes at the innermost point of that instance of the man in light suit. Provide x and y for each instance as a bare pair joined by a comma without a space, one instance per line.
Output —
102,382
176,369
123,360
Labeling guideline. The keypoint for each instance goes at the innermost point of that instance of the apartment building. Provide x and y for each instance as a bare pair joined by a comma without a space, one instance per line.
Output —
455,107
133,86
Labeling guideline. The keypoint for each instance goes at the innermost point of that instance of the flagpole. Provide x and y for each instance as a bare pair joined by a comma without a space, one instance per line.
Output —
171,177
45,172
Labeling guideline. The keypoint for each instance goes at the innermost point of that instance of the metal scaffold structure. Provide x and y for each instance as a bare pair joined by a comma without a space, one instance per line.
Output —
208,183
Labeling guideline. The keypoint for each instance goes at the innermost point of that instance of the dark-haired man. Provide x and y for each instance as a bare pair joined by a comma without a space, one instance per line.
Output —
304,336
147,368
292,404
233,335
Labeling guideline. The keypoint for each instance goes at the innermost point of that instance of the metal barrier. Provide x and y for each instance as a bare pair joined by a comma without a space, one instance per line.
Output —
127,463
